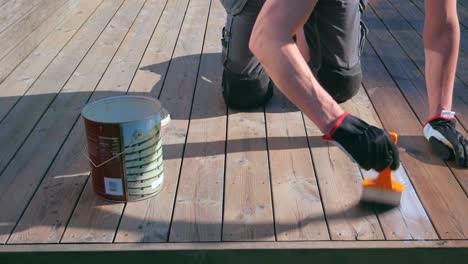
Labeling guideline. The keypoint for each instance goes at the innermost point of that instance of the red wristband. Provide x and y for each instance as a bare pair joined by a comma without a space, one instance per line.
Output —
339,121
444,115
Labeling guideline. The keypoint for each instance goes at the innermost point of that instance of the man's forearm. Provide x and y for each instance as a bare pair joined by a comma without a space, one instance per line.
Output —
286,66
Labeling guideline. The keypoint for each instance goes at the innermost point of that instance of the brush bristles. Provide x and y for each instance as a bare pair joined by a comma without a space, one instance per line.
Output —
382,196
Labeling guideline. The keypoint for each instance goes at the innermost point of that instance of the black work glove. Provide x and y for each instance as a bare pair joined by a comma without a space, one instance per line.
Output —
445,140
369,146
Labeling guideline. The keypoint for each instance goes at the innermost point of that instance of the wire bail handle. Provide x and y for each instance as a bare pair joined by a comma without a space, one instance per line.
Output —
136,136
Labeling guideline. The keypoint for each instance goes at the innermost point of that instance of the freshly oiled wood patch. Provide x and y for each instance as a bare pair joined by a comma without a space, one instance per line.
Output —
440,193
198,208
149,220
90,220
406,74
34,157
296,198
409,220
339,180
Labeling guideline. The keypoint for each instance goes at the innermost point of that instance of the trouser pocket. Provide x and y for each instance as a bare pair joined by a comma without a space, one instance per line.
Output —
363,28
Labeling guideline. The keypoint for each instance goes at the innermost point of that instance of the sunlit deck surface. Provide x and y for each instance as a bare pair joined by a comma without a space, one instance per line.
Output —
250,181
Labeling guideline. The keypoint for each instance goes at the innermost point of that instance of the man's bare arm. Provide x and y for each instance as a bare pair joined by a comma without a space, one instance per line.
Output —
284,63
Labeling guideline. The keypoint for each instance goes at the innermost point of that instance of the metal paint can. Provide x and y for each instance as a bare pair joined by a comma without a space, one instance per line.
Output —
124,147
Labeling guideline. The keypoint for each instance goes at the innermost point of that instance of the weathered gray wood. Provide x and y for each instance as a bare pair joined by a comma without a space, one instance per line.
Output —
199,204
31,107
27,168
149,220
49,27
13,35
94,219
296,198
13,10
55,199
23,77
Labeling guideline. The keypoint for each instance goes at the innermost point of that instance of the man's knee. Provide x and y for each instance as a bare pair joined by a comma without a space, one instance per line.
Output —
245,92
341,83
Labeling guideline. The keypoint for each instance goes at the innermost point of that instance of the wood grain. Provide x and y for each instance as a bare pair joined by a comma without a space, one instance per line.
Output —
406,74
34,157
10,37
199,203
33,41
23,77
56,197
408,221
12,11
31,107
248,212
176,96
440,193
94,219
149,220
296,198
339,181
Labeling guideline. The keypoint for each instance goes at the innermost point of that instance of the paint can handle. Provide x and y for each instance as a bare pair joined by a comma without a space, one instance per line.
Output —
85,150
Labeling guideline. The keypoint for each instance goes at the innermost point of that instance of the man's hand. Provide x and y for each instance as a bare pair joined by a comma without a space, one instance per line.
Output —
445,140
369,146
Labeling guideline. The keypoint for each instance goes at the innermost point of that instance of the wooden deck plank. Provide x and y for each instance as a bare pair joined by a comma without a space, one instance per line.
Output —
23,49
261,146
408,221
404,245
25,74
51,206
248,212
148,220
95,220
441,195
339,181
296,198
29,165
27,24
406,74
198,209
31,107
14,10
176,95
3,2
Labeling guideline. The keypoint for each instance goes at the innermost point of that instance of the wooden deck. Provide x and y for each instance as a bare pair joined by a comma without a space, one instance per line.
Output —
235,181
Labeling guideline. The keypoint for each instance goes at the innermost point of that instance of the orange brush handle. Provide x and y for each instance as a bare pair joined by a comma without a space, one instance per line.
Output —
385,178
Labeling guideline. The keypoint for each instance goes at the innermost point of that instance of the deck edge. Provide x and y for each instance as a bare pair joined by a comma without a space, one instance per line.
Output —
210,246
